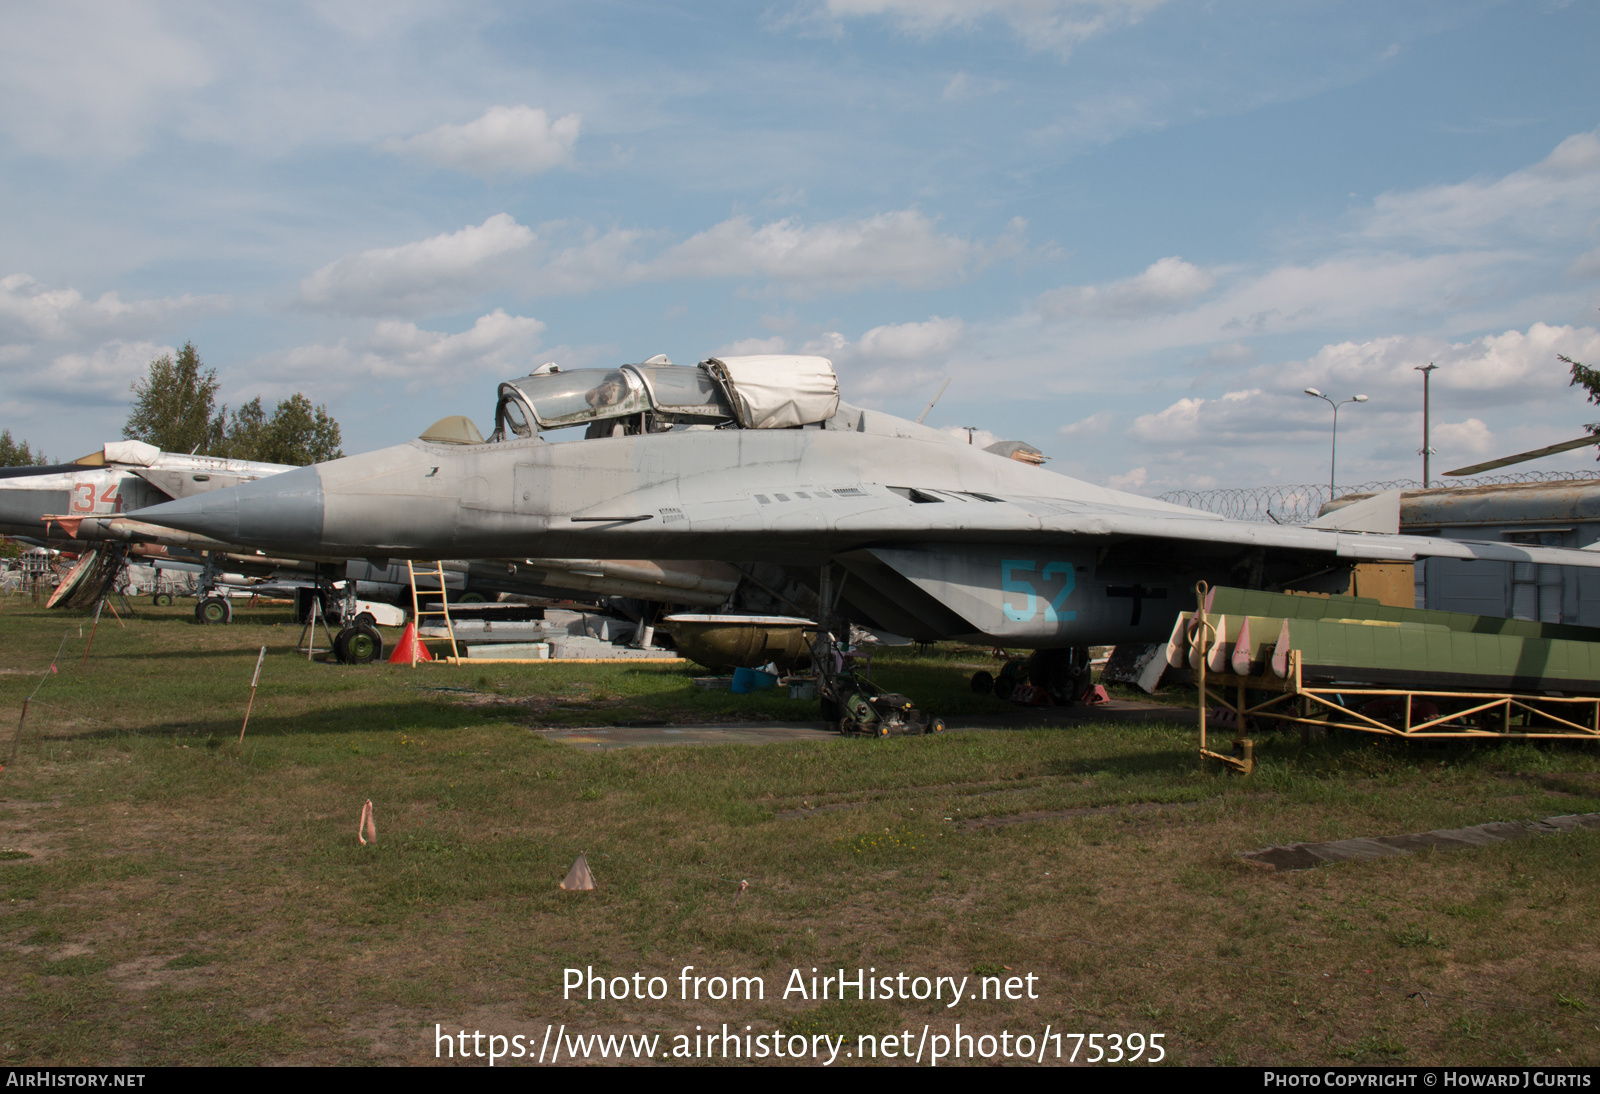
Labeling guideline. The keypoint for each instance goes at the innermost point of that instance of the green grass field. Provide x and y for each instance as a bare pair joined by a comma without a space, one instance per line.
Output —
171,898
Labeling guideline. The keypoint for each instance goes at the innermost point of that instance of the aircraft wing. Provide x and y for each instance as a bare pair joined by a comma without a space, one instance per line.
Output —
867,513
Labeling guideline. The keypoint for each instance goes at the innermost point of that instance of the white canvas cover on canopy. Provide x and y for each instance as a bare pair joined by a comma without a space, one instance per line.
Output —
779,391
134,452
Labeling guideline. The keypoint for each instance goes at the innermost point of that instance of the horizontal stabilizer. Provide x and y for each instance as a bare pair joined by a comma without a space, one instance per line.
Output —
1379,513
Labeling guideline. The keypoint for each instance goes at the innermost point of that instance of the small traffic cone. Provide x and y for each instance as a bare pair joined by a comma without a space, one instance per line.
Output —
410,648
579,876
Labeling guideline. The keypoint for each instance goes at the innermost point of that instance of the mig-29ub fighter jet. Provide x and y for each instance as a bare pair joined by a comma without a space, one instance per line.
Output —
904,528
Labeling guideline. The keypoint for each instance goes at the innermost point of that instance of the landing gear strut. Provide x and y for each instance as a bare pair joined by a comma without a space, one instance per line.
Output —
850,705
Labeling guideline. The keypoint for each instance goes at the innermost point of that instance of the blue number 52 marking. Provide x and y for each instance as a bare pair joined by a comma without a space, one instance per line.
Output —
1052,610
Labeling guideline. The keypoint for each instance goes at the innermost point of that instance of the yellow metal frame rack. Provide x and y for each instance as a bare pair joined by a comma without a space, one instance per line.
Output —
1471,715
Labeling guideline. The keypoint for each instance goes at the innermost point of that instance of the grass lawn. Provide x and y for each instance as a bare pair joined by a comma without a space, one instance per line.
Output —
169,898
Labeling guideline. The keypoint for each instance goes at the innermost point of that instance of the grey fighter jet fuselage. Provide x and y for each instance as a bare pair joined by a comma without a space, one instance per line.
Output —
101,498
754,458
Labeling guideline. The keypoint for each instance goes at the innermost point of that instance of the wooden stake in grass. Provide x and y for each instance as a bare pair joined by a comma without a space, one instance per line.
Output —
16,741
89,643
366,831
254,680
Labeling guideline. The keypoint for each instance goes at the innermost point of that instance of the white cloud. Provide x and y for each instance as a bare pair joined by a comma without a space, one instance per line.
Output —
962,86
752,347
564,257
1046,25
497,344
1092,426
899,247
893,360
73,359
106,372
902,341
593,261
1585,266
1165,285
81,76
1228,355
510,140
1493,395
30,311
1189,420
398,280
1132,480
1471,436
1496,370
1544,201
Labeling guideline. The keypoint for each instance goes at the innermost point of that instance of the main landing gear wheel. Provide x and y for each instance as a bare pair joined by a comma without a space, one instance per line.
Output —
358,645
213,609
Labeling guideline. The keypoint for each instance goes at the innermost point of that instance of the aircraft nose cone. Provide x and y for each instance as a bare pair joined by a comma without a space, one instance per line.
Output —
280,511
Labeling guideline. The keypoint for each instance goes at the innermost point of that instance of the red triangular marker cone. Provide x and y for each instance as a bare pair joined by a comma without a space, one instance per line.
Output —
579,876
402,648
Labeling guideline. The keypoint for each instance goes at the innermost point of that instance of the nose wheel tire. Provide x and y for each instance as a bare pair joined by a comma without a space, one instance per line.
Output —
162,600
213,609
358,645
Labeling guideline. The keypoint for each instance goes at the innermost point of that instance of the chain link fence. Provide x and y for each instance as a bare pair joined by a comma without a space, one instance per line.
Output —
1301,504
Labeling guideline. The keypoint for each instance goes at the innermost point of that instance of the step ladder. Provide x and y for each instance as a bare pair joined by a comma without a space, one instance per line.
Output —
417,613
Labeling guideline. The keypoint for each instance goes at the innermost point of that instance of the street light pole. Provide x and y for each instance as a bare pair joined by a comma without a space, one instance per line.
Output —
1333,457
1427,375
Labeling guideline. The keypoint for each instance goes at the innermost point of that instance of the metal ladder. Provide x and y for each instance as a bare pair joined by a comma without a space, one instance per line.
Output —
444,605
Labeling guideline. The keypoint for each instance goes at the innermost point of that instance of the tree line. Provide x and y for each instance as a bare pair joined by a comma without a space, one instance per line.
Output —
175,408
13,454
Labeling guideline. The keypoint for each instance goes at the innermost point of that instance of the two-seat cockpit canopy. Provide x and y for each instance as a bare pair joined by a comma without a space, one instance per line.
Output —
769,392
644,398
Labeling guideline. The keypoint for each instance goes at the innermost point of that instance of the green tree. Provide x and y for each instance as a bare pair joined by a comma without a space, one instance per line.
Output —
18,455
1589,379
174,406
299,433
175,409
246,432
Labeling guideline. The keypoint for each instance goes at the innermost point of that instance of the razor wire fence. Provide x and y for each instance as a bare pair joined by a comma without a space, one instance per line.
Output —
1301,504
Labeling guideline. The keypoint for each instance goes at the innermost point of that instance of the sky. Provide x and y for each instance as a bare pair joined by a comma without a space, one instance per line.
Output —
1129,232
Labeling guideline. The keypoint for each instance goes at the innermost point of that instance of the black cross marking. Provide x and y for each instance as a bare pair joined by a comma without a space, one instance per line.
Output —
1138,594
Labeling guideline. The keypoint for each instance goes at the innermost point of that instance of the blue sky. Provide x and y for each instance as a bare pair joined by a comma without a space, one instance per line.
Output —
1130,231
